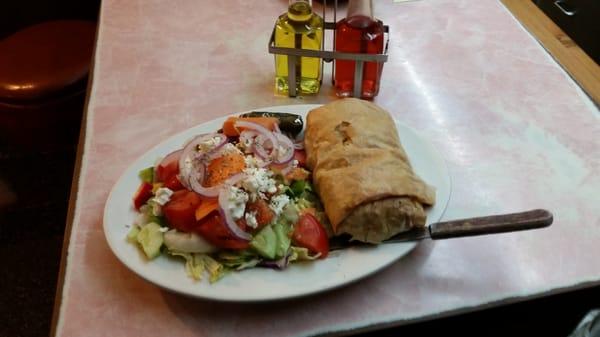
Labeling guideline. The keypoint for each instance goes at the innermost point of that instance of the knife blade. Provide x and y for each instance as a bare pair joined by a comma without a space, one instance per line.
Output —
493,224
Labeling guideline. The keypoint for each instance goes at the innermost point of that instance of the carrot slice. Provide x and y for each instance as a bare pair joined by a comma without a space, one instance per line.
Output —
221,168
231,131
206,207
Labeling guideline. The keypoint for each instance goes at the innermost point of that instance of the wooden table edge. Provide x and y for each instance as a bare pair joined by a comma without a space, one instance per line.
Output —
73,195
574,60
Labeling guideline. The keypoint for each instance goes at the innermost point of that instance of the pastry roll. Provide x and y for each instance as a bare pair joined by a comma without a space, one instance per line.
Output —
361,172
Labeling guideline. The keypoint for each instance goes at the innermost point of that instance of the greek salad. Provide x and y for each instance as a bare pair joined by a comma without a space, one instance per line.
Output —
234,199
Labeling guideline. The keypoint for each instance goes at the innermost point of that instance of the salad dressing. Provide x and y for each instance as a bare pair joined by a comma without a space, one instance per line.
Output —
359,32
299,28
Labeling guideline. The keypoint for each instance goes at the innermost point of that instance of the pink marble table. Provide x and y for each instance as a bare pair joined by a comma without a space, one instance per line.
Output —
516,131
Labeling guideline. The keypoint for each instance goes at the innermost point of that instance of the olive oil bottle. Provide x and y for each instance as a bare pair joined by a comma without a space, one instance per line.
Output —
303,29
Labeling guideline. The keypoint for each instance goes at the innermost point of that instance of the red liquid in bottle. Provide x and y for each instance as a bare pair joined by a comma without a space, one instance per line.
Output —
358,34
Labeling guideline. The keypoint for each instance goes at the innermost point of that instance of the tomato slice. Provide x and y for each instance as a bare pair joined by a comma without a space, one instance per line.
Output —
264,214
141,196
309,233
167,170
173,183
216,232
180,211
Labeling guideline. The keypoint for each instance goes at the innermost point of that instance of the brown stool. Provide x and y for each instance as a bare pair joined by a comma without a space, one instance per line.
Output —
43,72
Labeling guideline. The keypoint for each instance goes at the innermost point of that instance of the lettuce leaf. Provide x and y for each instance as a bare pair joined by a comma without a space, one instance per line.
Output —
302,254
197,264
147,175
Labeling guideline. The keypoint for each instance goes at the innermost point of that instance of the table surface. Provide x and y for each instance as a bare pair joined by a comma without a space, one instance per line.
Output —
517,133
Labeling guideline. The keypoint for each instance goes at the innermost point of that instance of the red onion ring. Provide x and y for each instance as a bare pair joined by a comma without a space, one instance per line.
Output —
190,152
262,148
299,145
248,136
288,149
261,130
224,209
264,163
196,178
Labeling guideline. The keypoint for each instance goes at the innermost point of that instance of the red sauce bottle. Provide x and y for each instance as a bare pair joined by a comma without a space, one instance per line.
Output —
359,32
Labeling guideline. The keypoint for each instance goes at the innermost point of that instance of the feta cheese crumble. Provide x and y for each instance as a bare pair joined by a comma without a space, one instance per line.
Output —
225,150
208,144
229,149
257,182
237,202
253,162
278,203
251,219
161,197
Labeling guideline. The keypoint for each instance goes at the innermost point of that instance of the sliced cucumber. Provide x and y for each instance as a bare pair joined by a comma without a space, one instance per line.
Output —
283,239
265,242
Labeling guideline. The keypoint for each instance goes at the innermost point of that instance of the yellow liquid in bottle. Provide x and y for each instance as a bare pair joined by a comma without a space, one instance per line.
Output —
299,28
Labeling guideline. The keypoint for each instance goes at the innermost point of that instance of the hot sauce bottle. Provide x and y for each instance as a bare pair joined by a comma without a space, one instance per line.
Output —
359,32
299,28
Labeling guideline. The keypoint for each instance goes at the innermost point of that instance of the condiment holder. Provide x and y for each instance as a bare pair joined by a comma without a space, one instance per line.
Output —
329,55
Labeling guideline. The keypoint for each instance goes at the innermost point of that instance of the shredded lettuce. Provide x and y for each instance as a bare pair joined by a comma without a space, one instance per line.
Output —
150,238
132,235
302,254
298,189
239,260
196,264
146,215
147,175
290,213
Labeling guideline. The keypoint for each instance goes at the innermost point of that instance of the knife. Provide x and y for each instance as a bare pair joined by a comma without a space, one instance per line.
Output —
537,218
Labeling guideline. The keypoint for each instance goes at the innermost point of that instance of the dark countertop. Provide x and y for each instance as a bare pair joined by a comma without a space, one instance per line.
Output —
31,236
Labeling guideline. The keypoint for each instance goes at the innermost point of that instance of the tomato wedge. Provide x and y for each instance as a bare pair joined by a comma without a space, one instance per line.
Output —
300,156
264,214
141,196
310,234
168,167
216,232
173,183
180,211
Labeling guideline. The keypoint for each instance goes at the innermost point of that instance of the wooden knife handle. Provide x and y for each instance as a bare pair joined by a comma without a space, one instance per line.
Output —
537,218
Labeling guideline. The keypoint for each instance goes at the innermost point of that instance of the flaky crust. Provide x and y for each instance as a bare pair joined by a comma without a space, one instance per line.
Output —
355,154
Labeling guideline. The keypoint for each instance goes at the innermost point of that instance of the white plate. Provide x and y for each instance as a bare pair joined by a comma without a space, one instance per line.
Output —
260,284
